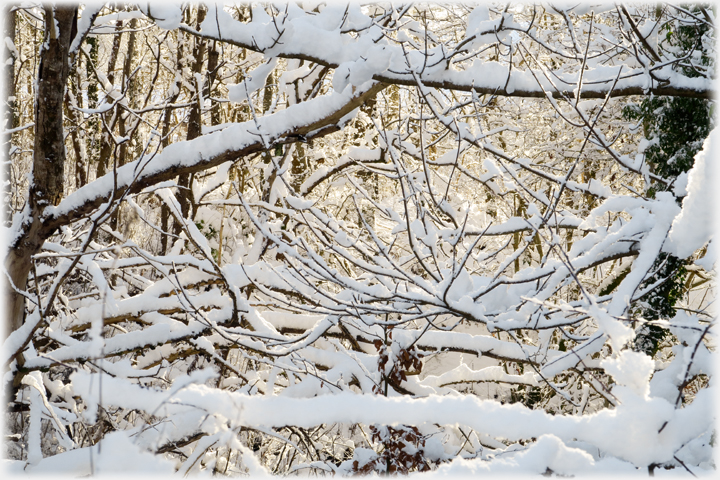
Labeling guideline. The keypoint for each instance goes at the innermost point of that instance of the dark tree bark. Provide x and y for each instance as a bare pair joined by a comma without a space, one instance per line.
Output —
49,154
77,135
129,95
212,66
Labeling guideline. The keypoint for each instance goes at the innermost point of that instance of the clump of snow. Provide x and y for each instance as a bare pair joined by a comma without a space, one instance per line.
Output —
167,15
252,83
694,227
631,369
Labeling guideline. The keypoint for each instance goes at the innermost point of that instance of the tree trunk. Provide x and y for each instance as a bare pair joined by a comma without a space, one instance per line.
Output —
48,158
212,66
165,216
131,87
9,116
106,147
123,118
77,134
185,181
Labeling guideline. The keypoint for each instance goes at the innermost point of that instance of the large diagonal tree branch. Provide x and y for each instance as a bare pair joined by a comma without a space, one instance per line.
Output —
491,78
305,121
308,120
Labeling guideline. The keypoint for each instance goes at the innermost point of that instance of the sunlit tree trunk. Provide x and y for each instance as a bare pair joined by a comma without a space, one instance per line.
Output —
10,119
185,195
110,118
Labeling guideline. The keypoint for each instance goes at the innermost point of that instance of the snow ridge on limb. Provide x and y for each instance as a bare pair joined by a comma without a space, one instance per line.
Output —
692,229
639,418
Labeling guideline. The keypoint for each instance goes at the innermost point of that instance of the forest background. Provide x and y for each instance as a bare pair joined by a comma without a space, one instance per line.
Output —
340,239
